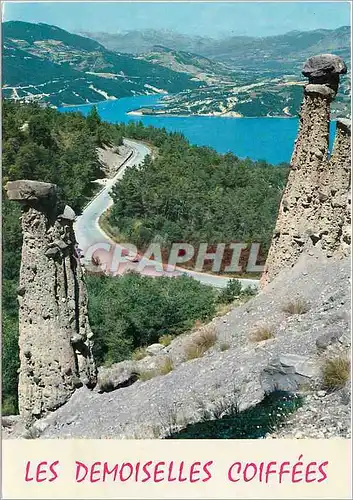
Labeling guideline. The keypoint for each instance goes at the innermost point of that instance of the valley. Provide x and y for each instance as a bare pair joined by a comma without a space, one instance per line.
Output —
234,77
228,135
244,76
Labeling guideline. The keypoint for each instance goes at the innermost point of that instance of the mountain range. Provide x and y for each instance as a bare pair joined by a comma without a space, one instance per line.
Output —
52,65
295,45
236,76
139,42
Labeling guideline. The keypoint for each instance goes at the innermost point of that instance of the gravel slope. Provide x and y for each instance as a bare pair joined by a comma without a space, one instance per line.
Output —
146,409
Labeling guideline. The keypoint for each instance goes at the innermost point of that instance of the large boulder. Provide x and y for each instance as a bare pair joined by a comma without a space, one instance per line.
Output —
27,191
325,69
154,349
288,372
117,376
324,64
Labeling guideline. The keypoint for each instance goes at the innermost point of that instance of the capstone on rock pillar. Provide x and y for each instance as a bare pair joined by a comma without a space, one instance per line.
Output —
308,214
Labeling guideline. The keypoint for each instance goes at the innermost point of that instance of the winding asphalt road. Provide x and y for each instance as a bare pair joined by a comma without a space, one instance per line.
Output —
93,241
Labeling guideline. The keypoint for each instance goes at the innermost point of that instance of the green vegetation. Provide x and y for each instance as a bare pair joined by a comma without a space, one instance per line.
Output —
75,69
296,306
10,362
194,195
42,144
232,291
166,339
268,98
133,311
226,422
336,372
201,67
31,33
65,68
138,354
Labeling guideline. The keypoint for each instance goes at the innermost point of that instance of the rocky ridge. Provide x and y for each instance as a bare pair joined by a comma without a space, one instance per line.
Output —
292,360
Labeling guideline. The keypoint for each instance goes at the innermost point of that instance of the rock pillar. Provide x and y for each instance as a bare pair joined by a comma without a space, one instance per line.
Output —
313,209
55,340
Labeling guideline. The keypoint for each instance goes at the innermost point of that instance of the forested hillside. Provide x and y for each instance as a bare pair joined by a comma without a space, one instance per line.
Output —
48,64
193,194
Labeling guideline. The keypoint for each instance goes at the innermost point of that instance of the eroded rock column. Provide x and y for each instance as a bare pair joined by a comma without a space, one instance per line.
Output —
335,214
55,339
313,208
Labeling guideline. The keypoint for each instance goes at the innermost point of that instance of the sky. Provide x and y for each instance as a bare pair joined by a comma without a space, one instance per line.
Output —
215,19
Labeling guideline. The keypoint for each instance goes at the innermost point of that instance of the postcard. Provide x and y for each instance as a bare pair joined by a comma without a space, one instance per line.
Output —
176,252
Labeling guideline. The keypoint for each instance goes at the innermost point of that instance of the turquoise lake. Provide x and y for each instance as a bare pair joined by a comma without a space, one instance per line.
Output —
270,139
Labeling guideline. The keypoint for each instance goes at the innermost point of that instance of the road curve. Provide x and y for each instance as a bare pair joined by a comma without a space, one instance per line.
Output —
92,240
87,229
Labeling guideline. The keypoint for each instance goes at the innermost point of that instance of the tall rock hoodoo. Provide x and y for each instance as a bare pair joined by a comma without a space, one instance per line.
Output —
315,206
54,333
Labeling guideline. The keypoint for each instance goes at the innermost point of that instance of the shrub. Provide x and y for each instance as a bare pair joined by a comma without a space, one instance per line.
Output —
336,372
223,309
249,292
200,343
206,338
166,339
130,311
262,333
147,375
171,418
163,369
226,405
10,358
224,346
192,351
197,324
230,292
296,306
106,385
139,353
9,405
166,367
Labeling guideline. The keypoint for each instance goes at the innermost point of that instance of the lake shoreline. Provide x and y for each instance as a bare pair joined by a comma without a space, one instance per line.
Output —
206,115
258,138
136,112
